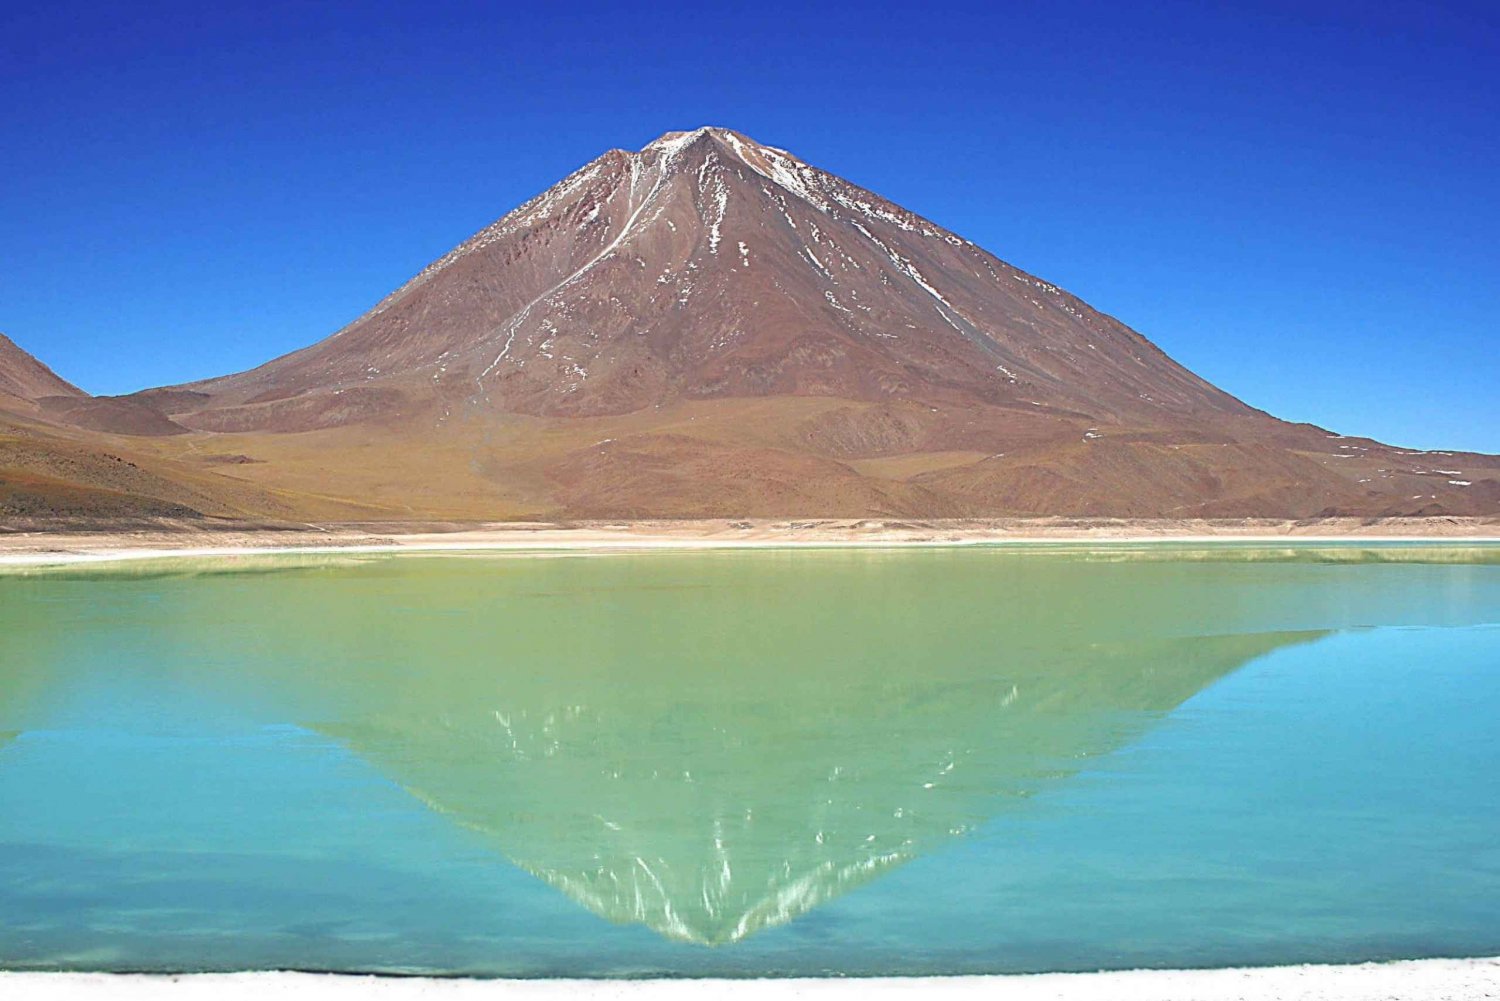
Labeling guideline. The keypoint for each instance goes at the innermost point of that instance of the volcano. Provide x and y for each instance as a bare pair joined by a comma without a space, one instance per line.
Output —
708,266
710,327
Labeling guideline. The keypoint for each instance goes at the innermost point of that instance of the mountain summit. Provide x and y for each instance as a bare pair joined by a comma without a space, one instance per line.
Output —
709,265
711,327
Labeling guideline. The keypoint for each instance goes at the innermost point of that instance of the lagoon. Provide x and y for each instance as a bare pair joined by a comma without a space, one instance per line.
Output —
972,760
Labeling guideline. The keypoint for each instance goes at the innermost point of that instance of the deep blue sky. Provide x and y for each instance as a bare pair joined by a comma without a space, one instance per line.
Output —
1298,201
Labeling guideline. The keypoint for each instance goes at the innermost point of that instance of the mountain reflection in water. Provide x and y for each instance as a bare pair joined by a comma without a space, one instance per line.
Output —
710,744
710,813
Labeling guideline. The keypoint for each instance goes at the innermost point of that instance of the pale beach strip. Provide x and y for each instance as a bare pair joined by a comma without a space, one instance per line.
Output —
41,549
1417,980
520,547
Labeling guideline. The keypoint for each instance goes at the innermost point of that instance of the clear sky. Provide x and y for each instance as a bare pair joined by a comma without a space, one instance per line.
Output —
1298,201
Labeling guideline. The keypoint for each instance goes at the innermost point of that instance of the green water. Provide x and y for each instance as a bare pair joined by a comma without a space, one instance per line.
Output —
966,760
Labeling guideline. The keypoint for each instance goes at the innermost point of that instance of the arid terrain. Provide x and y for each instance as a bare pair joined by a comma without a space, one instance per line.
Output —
708,328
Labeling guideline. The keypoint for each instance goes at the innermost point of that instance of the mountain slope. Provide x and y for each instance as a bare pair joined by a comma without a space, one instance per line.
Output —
711,327
710,266
23,378
56,464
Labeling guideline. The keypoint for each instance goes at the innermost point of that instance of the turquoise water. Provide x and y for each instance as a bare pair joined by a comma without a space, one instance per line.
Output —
749,763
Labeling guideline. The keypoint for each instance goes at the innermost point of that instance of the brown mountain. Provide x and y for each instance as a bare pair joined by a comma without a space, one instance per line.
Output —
708,266
56,464
711,327
23,379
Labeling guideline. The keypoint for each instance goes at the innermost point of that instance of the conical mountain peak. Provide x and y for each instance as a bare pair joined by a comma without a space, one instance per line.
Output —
727,138
669,140
710,265
770,162
750,335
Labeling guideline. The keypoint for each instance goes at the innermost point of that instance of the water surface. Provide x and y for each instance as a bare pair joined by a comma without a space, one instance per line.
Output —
916,761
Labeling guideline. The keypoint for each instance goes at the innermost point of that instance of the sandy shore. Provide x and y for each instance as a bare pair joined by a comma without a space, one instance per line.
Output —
1428,980
46,545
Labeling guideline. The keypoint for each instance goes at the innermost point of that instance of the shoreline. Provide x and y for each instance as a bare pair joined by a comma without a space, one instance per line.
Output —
1455,979
52,547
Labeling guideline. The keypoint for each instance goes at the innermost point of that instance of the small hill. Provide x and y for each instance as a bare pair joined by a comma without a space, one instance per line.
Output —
22,377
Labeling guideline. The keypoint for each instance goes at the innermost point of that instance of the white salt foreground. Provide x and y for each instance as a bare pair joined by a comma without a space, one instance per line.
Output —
1427,980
